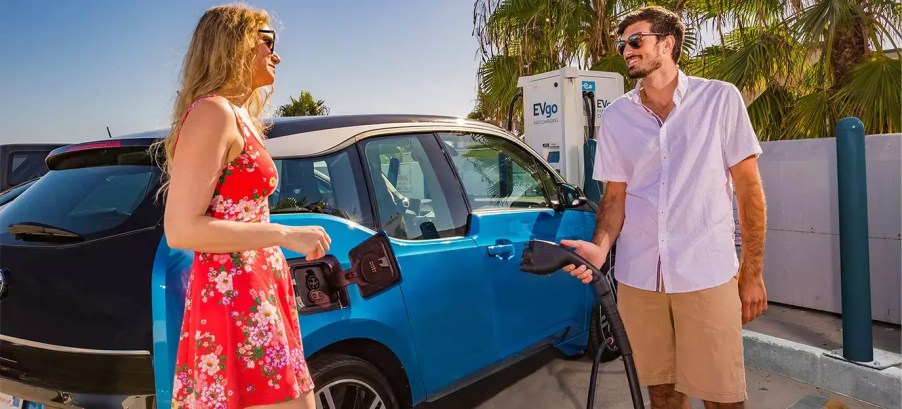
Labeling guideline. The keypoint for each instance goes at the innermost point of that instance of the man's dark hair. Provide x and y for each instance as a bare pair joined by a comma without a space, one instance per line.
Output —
662,21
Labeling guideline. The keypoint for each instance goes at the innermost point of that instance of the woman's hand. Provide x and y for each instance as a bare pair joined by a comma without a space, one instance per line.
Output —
309,240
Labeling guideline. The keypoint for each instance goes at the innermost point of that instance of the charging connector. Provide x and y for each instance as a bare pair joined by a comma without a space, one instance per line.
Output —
544,258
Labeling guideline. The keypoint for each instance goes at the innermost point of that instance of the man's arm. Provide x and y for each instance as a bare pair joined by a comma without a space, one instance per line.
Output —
753,221
608,222
609,219
609,164
752,217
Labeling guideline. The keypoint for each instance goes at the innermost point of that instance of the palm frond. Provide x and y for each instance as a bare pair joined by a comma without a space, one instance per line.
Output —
511,26
498,77
761,56
757,12
769,110
872,91
615,63
618,9
517,10
811,116
707,62
815,75
690,42
746,13
887,21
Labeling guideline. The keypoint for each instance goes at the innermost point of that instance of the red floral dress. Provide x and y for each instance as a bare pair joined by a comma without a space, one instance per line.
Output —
240,343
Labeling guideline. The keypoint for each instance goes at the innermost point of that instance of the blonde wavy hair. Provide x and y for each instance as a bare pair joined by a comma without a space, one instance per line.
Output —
219,61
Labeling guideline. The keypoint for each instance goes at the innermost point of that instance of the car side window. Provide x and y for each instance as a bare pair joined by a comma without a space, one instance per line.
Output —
498,174
330,184
413,187
24,166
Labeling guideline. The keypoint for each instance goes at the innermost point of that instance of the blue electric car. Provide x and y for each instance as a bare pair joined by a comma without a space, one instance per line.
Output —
91,295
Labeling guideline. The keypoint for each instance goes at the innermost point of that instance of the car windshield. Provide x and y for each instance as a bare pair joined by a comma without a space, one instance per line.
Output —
90,202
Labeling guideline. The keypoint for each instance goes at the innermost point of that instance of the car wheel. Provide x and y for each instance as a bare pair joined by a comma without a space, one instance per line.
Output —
344,382
600,330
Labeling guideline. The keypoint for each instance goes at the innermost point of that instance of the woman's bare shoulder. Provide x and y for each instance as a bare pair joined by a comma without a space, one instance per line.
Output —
213,109
211,120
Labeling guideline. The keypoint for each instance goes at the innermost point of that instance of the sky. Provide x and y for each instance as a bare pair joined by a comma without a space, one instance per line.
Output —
69,69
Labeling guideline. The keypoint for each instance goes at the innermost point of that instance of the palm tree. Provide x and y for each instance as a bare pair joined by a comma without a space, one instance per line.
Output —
525,37
305,105
802,64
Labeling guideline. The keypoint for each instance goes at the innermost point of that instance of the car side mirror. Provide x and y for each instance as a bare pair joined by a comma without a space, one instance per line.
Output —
569,196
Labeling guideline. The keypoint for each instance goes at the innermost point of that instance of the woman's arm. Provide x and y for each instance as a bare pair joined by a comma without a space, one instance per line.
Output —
209,139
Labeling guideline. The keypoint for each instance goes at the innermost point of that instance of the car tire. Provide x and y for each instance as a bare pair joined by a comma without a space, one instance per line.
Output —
345,381
599,331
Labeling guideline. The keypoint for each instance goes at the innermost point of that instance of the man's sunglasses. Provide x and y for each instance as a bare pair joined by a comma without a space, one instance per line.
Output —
634,41
271,44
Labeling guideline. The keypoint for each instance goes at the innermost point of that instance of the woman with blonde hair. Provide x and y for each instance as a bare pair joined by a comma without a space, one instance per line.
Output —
240,344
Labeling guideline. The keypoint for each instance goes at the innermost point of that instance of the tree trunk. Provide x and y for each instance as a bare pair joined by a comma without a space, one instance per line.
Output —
723,42
850,45
599,33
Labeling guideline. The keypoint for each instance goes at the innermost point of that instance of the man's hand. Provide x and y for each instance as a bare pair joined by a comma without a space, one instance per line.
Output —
754,298
589,251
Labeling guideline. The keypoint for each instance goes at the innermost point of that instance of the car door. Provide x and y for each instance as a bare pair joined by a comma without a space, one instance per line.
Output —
510,195
423,210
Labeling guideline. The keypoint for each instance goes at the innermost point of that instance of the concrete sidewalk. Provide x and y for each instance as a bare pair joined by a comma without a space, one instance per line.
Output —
803,344
818,329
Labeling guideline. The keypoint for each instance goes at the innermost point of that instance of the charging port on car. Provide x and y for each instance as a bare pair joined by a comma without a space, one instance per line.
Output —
321,285
312,290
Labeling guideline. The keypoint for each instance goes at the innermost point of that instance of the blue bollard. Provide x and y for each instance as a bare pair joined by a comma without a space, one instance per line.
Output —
853,241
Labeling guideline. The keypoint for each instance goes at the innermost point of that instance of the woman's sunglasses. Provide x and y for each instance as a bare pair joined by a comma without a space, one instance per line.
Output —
634,41
271,44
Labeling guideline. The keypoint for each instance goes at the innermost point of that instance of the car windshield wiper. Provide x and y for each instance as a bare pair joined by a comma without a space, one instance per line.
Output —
296,209
27,230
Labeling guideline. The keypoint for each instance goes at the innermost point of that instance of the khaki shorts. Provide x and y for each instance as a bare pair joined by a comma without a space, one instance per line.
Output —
693,340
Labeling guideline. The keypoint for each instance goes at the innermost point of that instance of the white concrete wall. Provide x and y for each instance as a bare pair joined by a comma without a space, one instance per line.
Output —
801,264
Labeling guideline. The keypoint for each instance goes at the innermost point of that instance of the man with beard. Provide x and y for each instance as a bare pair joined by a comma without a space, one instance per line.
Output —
670,152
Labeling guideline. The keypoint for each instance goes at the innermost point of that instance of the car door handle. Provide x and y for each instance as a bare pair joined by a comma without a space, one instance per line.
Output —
502,250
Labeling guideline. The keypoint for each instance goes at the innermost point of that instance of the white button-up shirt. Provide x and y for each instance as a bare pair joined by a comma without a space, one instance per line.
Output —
678,186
